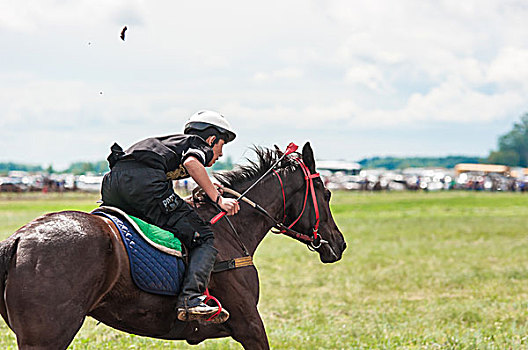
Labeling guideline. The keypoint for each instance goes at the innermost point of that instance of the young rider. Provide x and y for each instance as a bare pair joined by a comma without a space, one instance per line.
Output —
140,183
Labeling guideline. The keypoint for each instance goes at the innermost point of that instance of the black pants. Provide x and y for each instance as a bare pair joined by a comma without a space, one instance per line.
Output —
146,193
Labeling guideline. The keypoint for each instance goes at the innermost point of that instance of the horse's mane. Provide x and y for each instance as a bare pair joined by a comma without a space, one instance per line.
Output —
244,173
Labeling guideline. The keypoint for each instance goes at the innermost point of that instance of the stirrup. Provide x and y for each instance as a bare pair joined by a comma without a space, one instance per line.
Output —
221,315
195,314
215,316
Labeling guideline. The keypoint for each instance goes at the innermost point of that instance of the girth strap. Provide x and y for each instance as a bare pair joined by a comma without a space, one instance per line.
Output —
232,264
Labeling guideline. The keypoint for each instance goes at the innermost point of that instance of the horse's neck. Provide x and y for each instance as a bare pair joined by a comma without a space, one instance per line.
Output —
253,225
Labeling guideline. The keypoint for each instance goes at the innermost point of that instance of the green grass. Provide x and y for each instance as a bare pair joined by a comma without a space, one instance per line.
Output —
422,271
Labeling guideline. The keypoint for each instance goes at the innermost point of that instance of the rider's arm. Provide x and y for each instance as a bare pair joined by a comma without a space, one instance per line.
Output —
197,171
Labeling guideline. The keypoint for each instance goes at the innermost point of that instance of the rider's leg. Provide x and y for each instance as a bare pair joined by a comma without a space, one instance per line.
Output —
201,262
190,301
146,193
202,257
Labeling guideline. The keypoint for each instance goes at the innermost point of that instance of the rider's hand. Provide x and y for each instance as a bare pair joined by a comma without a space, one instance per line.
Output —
190,200
229,205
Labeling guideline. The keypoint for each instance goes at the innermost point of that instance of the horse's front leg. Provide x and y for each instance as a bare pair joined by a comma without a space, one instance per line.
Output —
239,292
248,329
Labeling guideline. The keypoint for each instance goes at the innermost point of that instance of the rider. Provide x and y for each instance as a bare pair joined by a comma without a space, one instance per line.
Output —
140,183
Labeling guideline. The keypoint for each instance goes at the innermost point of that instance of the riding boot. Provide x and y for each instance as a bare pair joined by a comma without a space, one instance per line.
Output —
190,302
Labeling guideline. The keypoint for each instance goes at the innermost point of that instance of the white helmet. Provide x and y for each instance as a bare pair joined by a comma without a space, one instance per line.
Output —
205,119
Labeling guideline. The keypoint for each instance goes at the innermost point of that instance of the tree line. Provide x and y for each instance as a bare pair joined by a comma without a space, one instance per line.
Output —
392,163
513,146
80,168
77,168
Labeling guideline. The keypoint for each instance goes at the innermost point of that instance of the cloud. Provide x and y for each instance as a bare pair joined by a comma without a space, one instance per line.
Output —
510,69
34,15
311,116
368,75
452,102
338,66
285,73
37,103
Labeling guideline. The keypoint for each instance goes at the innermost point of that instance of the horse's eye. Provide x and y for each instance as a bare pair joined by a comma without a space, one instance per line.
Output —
327,195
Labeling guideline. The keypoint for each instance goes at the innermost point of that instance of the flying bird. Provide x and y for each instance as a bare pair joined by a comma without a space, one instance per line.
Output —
122,36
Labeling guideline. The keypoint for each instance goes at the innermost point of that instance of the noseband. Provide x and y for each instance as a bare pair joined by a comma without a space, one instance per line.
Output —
314,241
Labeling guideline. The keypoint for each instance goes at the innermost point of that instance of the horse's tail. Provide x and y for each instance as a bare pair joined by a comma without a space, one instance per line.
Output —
8,249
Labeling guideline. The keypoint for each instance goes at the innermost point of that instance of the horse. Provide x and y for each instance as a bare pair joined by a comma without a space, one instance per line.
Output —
64,266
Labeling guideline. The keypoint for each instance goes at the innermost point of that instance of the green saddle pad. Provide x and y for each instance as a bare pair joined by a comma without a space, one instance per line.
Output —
158,235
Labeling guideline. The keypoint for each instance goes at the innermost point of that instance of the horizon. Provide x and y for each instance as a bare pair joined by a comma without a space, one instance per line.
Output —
225,159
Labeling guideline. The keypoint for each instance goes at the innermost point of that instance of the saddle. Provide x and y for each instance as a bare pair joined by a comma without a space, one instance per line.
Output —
156,260
155,255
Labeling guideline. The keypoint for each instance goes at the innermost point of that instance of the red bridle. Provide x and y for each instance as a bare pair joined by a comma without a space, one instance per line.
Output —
287,230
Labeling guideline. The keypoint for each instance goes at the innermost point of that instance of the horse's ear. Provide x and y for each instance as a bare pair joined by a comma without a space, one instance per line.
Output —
308,157
279,152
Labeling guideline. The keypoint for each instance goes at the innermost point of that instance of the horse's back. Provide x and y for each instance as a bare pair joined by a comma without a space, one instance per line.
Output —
63,264
59,242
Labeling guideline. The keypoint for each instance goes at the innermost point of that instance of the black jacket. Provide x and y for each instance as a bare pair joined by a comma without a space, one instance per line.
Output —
166,153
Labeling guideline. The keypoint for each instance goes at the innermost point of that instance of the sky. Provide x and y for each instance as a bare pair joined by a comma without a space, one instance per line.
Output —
355,78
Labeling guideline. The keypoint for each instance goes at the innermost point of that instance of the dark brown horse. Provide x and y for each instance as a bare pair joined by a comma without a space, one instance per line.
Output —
62,267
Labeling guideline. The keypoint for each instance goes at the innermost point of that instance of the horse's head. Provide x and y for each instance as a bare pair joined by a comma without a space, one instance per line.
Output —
294,212
332,243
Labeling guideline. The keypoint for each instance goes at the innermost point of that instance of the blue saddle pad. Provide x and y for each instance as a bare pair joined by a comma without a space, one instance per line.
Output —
152,270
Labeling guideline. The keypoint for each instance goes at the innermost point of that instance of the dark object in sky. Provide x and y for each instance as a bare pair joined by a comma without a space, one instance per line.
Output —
122,36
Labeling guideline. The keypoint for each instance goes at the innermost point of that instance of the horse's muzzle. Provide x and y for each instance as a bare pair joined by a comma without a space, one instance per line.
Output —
332,251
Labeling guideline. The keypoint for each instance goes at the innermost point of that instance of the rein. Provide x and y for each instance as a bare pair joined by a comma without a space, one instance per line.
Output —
314,241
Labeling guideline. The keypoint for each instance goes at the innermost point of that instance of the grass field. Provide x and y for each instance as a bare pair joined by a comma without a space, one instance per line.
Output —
422,271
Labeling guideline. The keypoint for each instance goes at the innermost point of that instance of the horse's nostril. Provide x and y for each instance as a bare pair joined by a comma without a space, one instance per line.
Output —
344,245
